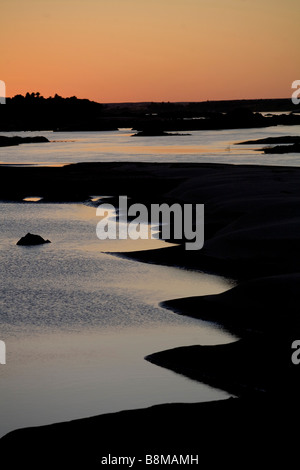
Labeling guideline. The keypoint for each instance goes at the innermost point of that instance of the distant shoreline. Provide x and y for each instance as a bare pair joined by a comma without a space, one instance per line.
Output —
34,112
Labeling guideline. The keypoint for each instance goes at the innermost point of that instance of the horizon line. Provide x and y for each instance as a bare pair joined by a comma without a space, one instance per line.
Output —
163,101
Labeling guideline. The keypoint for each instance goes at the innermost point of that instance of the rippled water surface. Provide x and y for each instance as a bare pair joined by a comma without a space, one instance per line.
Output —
78,321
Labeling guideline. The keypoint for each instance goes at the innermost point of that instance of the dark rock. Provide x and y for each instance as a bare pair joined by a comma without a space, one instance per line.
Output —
31,239
16,140
295,148
286,139
287,144
155,133
151,133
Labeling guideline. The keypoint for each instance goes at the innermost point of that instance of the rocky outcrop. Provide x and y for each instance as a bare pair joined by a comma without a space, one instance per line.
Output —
31,239
15,140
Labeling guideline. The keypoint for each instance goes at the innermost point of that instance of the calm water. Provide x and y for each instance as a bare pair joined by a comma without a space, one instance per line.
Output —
200,146
78,321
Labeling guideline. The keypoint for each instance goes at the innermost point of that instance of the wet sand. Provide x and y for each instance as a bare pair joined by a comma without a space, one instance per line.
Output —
252,229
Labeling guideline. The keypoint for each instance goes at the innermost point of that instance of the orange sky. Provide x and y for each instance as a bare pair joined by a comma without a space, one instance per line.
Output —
155,50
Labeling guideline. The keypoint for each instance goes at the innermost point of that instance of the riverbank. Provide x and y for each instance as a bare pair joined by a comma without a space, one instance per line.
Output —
227,431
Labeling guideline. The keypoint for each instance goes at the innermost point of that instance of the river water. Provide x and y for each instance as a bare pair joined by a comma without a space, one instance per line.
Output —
200,146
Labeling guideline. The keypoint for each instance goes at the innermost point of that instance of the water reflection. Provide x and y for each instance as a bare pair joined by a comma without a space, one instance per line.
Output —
78,322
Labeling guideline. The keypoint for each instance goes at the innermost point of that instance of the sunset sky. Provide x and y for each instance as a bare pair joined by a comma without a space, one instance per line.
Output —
154,50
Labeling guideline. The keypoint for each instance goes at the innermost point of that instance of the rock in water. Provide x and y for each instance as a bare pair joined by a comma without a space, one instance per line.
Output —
31,239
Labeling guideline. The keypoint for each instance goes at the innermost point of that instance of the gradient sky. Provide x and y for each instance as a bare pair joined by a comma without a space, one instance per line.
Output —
154,50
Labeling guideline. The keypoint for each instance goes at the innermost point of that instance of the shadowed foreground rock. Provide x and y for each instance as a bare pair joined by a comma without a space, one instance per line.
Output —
31,239
223,432
264,313
267,305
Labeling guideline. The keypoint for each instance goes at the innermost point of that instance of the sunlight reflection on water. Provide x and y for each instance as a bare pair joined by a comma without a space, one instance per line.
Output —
201,146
